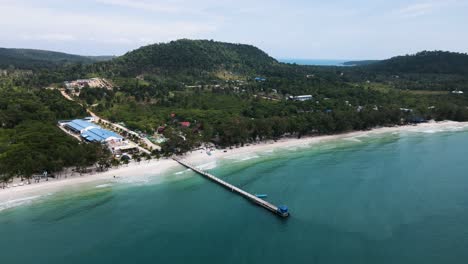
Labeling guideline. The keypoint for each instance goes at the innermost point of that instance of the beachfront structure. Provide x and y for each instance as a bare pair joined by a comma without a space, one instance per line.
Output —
278,210
86,131
301,98
92,132
121,147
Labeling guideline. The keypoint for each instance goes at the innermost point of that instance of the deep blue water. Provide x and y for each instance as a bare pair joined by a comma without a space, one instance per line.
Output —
398,198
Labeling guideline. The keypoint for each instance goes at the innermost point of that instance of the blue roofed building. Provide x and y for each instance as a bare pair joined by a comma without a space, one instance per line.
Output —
100,135
92,132
79,126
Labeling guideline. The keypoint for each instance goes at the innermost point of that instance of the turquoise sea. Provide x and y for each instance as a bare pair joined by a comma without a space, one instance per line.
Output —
392,198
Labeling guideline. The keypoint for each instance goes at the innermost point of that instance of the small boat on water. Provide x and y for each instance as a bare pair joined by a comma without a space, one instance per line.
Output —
261,195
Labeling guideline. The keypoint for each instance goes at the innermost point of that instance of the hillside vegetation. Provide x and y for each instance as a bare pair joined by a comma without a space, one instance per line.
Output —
31,59
428,62
30,141
190,57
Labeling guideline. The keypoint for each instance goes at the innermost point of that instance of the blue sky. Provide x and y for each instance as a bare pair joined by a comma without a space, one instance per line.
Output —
332,29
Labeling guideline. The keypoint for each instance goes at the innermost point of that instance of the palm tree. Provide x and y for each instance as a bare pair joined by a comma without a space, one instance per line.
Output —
115,163
148,157
4,179
138,159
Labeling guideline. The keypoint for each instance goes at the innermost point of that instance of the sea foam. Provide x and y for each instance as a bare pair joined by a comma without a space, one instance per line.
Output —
208,166
104,185
17,202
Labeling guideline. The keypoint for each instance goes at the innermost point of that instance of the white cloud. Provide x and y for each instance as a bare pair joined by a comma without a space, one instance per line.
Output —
142,5
49,37
417,9
426,8
50,25
173,7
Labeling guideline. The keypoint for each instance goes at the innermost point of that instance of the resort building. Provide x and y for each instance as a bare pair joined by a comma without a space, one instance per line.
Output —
301,98
91,132
79,126
91,83
121,147
101,135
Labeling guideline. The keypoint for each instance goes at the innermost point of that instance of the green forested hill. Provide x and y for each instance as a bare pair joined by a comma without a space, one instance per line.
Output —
428,62
192,57
35,59
427,70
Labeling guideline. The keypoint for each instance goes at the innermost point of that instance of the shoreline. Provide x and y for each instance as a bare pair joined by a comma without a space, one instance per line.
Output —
307,142
13,197
21,194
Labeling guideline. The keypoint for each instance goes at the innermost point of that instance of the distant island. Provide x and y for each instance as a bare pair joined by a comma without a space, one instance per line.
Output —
171,98
324,62
314,62
360,63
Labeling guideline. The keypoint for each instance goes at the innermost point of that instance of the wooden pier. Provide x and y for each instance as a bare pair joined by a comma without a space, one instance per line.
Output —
281,211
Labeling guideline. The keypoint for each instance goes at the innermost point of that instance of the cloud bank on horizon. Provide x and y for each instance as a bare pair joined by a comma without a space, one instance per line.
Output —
335,29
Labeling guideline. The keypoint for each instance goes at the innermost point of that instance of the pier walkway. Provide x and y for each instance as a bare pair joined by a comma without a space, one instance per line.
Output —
281,211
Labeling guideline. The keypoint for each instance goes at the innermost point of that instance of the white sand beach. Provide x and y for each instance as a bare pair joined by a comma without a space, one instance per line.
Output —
21,194
306,142
155,168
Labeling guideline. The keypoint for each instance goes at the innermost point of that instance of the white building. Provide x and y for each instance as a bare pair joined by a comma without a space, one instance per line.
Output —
301,98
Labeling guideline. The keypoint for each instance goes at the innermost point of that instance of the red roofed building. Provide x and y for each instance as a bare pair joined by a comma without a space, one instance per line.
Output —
185,124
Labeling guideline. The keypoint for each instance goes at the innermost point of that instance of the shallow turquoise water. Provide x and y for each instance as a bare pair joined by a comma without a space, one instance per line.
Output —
398,198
